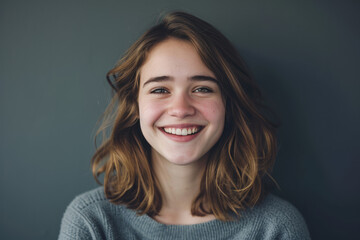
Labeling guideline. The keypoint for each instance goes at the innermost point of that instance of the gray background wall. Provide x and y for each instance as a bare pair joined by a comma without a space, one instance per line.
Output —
53,59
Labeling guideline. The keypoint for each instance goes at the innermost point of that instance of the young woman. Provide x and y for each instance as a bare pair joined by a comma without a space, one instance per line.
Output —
190,148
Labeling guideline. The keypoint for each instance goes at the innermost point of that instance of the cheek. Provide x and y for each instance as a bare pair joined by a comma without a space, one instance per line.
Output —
149,112
214,111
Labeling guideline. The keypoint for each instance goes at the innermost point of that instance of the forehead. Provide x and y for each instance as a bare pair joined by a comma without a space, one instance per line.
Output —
173,57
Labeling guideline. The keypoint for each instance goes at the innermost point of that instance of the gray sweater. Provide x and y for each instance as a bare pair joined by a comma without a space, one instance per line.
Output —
92,216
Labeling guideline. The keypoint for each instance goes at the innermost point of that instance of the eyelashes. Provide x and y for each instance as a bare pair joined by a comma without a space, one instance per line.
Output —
159,91
203,90
162,90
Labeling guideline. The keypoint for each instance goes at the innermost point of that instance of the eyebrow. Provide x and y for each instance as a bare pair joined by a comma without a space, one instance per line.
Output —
193,78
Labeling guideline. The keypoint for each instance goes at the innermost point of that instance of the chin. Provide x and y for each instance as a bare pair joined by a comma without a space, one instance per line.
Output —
182,159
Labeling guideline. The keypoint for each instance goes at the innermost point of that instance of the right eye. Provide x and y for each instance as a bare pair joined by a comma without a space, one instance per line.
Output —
159,91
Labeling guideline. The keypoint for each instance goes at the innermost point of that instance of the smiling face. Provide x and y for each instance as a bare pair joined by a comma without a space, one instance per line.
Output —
181,108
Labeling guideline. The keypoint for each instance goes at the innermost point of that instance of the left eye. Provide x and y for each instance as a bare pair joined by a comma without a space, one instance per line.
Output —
203,90
159,91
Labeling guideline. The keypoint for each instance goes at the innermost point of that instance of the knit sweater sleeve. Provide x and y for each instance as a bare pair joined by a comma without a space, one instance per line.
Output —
295,226
74,224
82,218
281,220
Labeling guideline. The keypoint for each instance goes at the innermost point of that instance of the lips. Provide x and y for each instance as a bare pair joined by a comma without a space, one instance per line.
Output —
181,130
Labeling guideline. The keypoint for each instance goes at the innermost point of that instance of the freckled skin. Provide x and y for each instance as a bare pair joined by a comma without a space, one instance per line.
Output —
181,101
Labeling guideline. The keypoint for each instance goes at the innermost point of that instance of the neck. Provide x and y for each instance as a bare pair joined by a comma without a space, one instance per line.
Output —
180,185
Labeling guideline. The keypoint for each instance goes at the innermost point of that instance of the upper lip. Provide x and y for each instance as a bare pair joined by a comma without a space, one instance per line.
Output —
184,125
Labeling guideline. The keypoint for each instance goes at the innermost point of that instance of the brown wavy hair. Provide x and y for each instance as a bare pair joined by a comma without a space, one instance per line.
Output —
239,162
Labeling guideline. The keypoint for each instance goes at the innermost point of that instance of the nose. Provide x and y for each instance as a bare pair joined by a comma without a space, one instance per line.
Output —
181,106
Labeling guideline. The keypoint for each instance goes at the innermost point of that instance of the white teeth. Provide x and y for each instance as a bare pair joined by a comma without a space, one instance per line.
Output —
181,131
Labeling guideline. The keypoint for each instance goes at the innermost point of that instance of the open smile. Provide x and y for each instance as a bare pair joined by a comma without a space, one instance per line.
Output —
182,133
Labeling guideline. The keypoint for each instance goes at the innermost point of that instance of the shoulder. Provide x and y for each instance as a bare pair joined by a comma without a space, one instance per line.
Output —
86,216
275,207
89,199
280,219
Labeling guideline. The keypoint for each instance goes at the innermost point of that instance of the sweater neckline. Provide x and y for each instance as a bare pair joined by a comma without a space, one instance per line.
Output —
148,227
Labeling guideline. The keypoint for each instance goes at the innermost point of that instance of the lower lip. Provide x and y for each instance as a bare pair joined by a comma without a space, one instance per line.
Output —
180,138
